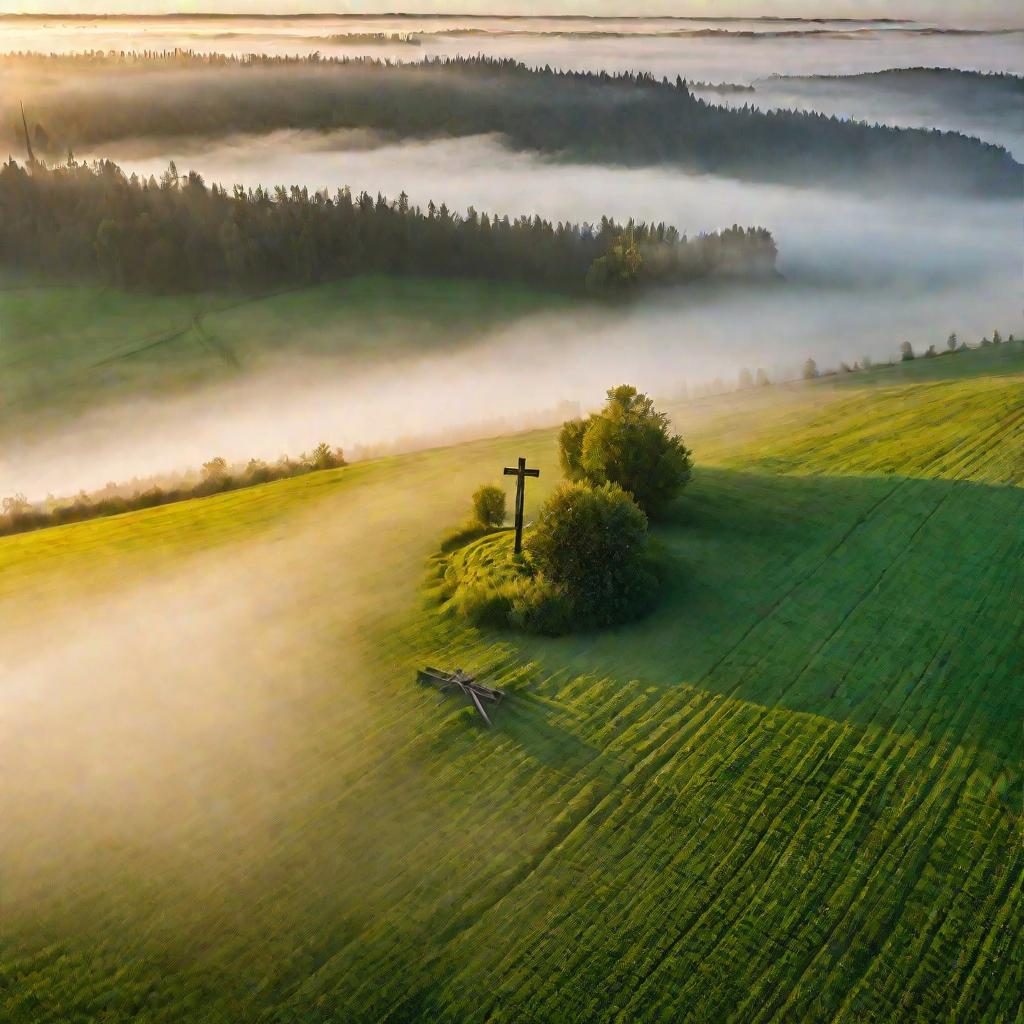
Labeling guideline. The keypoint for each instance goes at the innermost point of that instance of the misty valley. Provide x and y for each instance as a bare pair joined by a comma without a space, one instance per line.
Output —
286,298
316,143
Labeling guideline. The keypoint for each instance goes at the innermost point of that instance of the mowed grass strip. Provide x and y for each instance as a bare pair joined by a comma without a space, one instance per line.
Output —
789,794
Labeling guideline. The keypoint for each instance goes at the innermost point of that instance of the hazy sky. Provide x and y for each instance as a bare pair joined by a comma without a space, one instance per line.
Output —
946,11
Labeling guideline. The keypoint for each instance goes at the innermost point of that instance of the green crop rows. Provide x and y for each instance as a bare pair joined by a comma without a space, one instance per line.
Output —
793,793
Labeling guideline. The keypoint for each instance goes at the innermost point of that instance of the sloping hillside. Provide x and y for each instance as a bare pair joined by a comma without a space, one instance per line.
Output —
792,793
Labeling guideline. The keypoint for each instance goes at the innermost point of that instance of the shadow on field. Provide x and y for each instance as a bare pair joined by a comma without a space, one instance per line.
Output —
543,732
861,599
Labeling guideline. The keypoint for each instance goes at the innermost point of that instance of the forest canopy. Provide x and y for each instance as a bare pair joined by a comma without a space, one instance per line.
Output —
178,233
627,119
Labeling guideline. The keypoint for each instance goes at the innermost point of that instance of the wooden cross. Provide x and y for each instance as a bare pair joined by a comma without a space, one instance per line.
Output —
466,683
522,473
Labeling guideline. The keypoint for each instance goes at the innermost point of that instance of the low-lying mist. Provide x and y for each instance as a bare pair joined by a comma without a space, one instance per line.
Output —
709,49
513,379
824,237
861,276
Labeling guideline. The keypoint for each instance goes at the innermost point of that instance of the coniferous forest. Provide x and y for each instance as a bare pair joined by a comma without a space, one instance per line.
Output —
627,119
178,233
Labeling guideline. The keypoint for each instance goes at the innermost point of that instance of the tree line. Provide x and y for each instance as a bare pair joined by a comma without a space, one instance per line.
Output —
19,515
629,118
178,233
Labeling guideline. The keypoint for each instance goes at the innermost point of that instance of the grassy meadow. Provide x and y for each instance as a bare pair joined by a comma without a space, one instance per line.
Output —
792,793
78,347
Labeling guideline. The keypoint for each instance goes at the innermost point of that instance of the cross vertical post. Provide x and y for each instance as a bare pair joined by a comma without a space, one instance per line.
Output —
521,473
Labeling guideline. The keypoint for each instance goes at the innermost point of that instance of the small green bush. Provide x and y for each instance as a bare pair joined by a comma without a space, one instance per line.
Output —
489,506
586,564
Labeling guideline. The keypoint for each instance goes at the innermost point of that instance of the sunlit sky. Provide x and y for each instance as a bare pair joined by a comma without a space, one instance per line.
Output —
1007,12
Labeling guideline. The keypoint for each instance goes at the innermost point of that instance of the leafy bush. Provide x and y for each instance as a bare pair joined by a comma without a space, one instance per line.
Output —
489,506
542,607
590,543
629,444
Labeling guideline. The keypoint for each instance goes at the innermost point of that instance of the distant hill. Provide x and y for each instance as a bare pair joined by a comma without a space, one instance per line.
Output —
969,87
628,119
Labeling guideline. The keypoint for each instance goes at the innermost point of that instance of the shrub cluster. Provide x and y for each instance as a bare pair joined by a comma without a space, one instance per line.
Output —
586,562
489,506
586,565
590,550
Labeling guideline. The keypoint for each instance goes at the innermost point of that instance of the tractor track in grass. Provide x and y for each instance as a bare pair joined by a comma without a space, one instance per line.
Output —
871,590
920,948
927,792
1012,870
715,709
944,859
826,793
921,526
713,720
626,849
869,725
716,894
605,803
806,766
740,829
1010,905
152,341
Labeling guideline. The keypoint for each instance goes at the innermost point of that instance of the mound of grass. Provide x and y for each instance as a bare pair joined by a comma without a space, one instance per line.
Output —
483,582
586,564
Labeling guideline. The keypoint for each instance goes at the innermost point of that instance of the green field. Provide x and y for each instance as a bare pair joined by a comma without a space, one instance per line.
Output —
792,793
78,347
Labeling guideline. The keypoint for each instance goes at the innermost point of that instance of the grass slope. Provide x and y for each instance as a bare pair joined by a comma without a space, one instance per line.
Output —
76,347
791,794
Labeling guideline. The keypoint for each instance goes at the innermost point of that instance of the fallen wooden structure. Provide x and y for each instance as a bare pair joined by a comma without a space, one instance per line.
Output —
460,680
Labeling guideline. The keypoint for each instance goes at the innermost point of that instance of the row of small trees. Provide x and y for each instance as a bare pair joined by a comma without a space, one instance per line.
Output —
907,354
588,555
18,514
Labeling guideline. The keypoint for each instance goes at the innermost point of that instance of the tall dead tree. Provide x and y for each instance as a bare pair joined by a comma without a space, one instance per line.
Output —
28,138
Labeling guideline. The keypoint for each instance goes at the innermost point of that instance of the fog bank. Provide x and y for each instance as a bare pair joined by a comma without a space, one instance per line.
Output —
861,276
708,49
517,374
